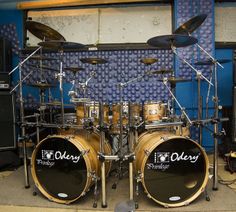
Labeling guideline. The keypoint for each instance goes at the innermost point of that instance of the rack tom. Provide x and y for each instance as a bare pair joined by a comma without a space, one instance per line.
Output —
154,111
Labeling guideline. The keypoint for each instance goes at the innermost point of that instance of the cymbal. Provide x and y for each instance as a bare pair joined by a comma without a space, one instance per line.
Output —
93,60
74,69
174,80
166,41
43,67
148,61
43,32
191,25
60,44
162,71
39,57
57,103
42,85
211,62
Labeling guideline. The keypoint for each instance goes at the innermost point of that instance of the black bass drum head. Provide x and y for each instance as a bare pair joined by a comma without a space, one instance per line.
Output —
176,171
59,168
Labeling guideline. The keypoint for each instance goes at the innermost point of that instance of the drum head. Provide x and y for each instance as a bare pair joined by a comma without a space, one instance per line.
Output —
59,169
175,171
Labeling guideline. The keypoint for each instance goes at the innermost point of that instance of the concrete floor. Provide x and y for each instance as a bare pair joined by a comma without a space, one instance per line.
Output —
14,197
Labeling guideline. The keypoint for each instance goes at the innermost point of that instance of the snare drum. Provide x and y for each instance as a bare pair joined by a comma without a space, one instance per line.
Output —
90,110
154,111
135,110
63,165
69,119
173,169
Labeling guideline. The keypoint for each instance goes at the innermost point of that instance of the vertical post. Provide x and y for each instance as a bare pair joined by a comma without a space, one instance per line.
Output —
103,168
61,88
199,101
216,116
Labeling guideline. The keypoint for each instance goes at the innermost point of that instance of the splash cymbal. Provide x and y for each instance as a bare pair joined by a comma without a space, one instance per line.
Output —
191,25
39,57
43,32
42,85
94,60
174,80
211,62
161,71
166,41
148,61
74,69
43,67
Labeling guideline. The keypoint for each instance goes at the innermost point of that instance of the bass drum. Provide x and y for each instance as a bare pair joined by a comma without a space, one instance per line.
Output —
173,169
63,166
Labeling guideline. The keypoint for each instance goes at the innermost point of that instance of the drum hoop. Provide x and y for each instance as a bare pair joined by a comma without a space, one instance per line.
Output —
152,102
194,196
36,180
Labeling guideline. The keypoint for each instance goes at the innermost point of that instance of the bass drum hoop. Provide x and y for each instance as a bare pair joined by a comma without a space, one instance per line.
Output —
145,157
90,161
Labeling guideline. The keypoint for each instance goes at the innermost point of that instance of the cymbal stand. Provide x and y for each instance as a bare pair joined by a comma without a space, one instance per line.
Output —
27,185
165,80
60,76
208,94
199,106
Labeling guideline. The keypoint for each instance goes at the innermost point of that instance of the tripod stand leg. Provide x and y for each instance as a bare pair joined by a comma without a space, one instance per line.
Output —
25,165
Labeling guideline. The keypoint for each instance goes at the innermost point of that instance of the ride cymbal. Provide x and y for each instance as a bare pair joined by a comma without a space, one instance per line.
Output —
211,62
93,60
74,69
60,45
39,57
167,41
161,71
148,61
191,25
43,32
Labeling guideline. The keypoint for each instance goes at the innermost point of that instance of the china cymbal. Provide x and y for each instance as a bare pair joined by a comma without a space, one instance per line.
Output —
211,62
191,25
148,61
60,45
166,41
43,32
43,67
161,71
42,85
39,57
74,69
93,60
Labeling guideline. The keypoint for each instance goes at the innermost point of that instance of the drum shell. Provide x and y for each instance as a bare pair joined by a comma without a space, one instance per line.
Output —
147,142
154,111
88,143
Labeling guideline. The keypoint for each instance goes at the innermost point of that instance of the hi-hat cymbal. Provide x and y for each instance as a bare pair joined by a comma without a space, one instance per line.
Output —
191,25
93,60
211,62
148,61
43,67
42,85
39,57
42,31
161,71
166,41
60,45
74,69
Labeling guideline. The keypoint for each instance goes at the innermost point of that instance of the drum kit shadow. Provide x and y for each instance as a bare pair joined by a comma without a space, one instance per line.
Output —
171,167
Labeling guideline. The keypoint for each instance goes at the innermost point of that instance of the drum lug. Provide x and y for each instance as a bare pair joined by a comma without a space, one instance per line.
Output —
149,196
83,193
147,152
186,203
84,152
166,206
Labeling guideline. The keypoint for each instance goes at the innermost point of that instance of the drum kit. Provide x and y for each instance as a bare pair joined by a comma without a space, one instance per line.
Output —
171,167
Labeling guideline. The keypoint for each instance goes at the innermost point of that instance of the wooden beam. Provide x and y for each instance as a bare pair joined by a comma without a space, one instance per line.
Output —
66,3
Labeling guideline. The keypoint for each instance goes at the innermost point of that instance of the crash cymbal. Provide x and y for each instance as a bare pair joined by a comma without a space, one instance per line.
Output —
166,41
43,67
60,45
211,62
148,61
57,103
39,57
191,25
43,32
93,60
161,71
42,85
74,69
